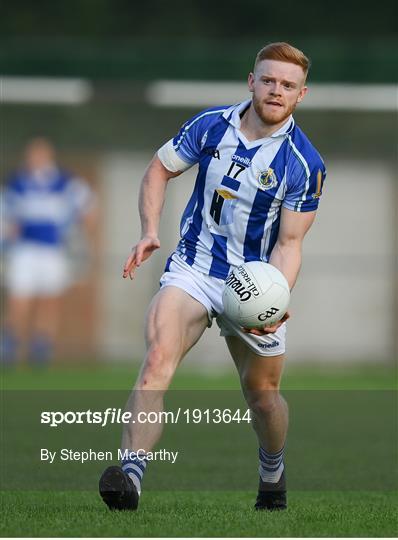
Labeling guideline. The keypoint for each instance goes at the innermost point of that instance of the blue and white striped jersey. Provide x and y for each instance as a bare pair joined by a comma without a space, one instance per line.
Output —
234,212
43,205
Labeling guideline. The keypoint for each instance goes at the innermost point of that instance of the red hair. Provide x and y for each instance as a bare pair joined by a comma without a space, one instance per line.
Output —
283,52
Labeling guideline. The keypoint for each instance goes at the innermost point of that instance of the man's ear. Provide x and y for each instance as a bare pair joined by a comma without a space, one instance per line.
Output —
302,93
250,81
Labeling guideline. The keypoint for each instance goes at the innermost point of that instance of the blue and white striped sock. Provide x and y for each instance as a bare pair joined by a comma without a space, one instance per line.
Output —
135,467
271,465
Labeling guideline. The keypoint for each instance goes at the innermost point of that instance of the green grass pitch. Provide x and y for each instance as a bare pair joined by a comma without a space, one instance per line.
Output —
168,513
207,514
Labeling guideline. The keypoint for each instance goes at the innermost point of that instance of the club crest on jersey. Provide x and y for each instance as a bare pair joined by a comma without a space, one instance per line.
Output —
267,179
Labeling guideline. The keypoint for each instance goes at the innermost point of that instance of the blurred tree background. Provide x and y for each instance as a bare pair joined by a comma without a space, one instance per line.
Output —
122,45
195,39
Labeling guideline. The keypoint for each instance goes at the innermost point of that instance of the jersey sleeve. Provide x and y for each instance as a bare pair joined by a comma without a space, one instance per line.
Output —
304,186
183,150
187,143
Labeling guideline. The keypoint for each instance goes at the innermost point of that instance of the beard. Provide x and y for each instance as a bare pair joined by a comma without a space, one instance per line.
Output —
271,115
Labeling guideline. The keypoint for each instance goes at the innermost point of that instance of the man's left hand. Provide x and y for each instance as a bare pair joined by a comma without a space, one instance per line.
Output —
267,329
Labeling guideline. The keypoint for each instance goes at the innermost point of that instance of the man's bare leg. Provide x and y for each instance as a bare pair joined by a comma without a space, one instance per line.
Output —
260,380
174,323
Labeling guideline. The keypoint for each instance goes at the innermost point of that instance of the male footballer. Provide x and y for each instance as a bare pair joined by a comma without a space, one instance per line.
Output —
255,198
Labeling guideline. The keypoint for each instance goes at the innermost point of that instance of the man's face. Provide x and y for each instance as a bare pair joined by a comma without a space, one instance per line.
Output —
277,87
39,154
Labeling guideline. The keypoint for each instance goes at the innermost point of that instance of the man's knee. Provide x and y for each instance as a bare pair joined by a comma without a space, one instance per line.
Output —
253,380
265,400
159,366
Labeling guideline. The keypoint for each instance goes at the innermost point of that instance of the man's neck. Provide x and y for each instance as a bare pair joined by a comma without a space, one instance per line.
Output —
254,128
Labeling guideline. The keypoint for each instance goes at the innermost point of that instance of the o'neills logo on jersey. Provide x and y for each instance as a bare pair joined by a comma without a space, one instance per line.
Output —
245,161
267,179
239,281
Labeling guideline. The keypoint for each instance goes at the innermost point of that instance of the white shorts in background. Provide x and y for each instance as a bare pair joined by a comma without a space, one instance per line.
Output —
208,291
35,270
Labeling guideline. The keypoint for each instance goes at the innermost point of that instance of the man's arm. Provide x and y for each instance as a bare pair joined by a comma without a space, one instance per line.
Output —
286,254
151,200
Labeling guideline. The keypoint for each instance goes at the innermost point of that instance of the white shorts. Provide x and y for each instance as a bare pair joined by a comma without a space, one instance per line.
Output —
35,270
208,291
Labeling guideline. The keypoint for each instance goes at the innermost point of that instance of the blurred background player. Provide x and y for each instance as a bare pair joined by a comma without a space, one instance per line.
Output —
42,203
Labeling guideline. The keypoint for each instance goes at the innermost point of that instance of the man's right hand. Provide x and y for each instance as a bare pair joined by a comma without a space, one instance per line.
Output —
140,253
